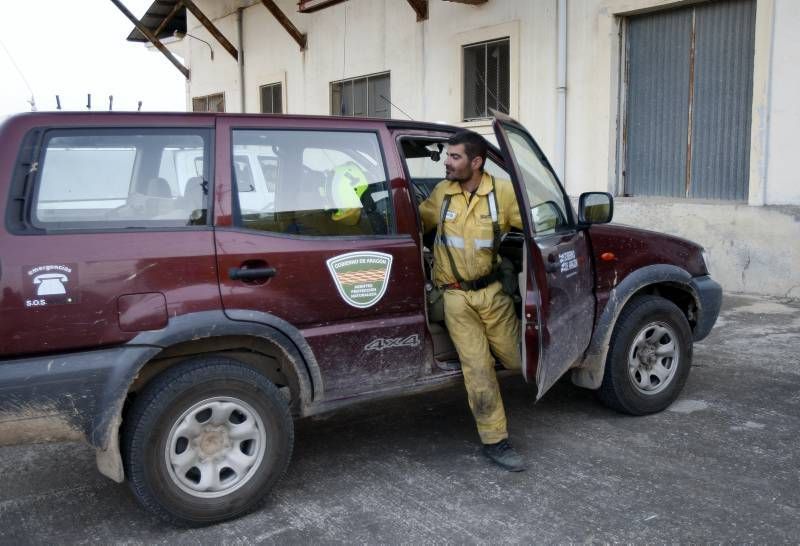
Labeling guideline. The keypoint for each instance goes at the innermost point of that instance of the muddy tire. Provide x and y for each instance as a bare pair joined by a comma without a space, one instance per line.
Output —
205,441
649,357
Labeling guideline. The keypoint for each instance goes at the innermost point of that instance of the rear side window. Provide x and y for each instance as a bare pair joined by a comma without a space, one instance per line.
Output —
96,179
315,183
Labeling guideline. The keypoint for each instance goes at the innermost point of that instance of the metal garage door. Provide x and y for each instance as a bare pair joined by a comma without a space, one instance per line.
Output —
689,75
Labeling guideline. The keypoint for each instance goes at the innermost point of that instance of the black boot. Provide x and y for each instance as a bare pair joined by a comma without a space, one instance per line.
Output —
503,455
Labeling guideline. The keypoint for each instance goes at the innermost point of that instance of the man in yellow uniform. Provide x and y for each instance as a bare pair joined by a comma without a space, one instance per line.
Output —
471,210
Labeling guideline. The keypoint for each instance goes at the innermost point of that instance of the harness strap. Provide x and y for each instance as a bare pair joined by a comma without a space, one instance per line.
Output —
488,279
443,238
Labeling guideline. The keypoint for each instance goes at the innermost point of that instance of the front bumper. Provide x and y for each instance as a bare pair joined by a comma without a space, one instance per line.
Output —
709,301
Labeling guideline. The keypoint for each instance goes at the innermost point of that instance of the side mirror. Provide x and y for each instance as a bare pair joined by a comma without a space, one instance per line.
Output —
595,207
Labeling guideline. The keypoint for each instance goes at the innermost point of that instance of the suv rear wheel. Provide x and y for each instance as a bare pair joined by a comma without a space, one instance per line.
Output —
206,441
649,357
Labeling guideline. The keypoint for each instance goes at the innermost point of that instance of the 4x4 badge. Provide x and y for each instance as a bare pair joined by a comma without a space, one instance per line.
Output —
361,277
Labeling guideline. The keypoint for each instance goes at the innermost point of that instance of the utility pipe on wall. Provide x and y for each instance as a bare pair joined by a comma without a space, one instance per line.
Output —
561,91
239,26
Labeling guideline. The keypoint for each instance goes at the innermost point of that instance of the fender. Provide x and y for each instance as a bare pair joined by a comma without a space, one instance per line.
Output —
295,337
589,372
98,381
194,326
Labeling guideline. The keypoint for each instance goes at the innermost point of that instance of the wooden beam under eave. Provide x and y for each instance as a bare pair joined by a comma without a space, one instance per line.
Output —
153,40
420,7
164,22
317,5
213,30
276,12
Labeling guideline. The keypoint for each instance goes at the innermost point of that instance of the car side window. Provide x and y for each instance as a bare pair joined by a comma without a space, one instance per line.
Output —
99,179
548,206
318,183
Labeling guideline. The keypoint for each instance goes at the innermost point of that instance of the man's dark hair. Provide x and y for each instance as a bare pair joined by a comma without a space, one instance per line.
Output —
474,145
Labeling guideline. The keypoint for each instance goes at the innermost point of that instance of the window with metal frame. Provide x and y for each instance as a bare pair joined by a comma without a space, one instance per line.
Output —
487,76
271,98
122,178
209,103
688,100
317,183
367,96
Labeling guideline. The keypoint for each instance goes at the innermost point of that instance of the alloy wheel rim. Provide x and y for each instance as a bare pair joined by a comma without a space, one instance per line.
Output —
653,358
215,447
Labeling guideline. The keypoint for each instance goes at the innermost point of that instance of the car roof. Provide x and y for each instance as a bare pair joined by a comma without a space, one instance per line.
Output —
150,116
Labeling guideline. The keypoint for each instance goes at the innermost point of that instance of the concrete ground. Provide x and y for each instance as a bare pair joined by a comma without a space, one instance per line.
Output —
720,465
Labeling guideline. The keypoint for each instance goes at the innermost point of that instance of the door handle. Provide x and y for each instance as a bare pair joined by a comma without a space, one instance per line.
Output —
552,265
244,274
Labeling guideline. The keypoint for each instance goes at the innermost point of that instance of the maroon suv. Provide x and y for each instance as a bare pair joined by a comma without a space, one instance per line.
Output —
177,287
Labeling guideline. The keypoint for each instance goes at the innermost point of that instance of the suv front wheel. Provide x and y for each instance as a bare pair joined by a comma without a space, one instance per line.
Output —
649,357
206,441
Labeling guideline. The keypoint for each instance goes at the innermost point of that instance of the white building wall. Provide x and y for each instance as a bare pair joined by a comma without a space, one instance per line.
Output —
362,37
783,178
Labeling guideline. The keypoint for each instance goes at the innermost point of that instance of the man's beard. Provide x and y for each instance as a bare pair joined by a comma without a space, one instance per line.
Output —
453,176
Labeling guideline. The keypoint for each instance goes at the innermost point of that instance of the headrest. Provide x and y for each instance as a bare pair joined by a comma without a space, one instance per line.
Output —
158,187
195,192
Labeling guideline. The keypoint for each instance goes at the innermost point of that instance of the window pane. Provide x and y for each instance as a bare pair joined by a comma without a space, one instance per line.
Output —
474,86
277,98
347,99
266,99
504,78
336,99
121,180
271,98
486,78
216,103
548,209
200,104
367,96
312,183
379,92
360,97
497,75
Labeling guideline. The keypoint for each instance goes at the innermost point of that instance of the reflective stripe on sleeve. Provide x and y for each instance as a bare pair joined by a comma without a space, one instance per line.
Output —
452,241
483,243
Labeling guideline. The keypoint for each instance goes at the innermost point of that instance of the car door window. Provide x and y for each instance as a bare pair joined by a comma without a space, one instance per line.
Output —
549,211
318,183
110,178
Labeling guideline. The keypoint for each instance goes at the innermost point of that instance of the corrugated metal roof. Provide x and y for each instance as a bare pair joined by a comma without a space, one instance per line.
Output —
156,13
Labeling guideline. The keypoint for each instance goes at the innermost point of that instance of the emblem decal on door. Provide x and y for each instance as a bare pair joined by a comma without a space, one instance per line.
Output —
50,285
361,277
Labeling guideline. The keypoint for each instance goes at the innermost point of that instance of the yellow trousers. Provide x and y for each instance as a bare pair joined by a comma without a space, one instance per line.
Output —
483,325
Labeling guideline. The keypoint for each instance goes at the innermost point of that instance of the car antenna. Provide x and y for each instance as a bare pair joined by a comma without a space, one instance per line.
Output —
58,102
393,104
32,100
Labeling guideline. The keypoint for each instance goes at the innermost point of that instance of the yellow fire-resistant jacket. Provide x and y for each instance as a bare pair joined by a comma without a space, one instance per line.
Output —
468,226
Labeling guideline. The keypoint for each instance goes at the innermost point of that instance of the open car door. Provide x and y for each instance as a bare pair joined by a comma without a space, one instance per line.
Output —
559,301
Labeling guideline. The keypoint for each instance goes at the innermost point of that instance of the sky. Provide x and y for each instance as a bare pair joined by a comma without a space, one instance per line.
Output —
74,47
